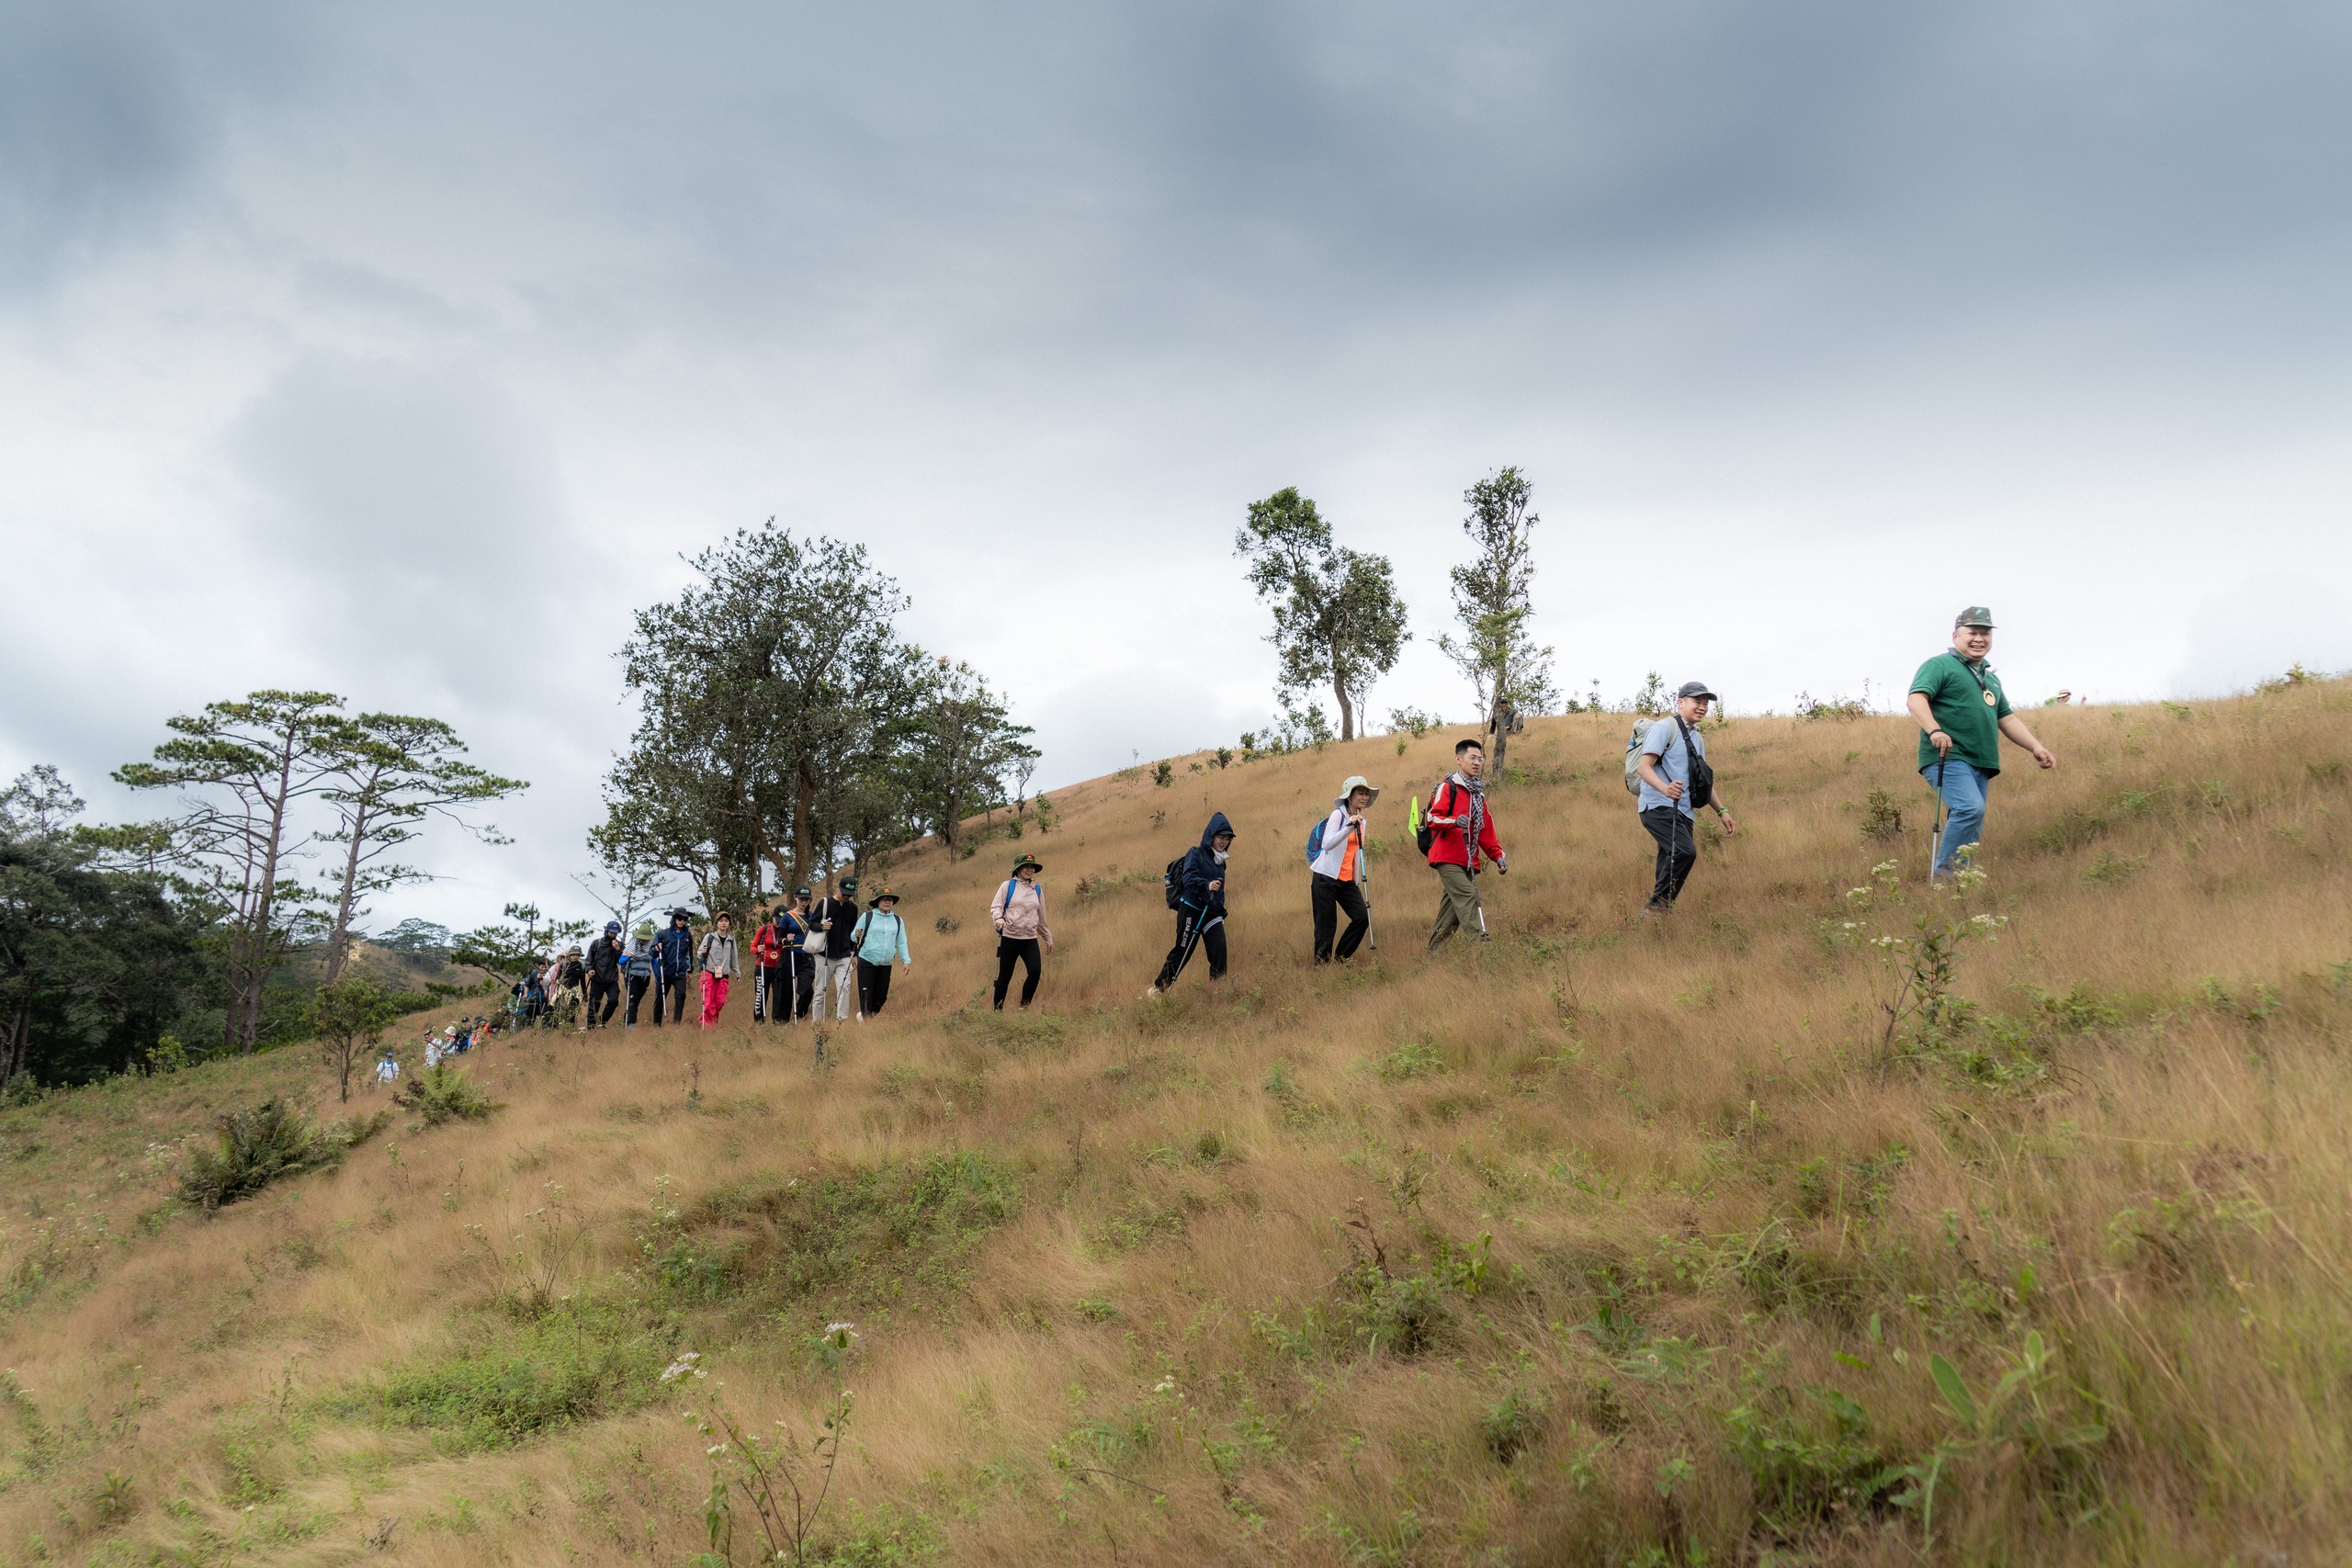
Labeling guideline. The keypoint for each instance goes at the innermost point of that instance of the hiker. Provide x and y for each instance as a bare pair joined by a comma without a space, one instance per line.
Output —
571,985
881,939
604,974
638,963
673,960
1462,830
1018,913
1961,711
388,1069
716,960
835,959
1336,853
1196,890
1675,782
767,967
793,926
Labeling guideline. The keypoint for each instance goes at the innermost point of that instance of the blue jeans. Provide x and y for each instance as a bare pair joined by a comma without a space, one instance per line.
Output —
1963,792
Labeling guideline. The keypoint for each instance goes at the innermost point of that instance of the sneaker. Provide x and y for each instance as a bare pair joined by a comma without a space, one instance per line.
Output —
1152,995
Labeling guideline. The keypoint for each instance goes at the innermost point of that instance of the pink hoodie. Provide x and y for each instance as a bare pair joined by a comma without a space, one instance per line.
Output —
1023,914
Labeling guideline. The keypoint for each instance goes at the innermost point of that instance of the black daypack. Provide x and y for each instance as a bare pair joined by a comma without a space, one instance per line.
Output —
1701,793
1172,881
1421,833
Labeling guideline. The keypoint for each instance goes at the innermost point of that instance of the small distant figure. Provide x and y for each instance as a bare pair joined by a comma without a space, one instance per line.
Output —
388,1069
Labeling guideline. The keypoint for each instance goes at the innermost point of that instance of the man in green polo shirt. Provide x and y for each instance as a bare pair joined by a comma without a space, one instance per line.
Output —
1963,713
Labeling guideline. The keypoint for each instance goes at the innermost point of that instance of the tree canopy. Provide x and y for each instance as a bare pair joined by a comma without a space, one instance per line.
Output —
1339,623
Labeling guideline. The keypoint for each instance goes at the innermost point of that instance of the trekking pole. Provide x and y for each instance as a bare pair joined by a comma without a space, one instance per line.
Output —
1363,864
1935,839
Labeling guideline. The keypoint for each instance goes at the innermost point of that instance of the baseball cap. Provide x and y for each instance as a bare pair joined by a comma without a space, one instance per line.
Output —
1695,689
1976,615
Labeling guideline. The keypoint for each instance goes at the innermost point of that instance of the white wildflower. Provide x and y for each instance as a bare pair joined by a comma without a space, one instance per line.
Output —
683,1366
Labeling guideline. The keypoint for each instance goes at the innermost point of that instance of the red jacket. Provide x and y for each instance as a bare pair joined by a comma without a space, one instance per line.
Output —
766,950
1451,845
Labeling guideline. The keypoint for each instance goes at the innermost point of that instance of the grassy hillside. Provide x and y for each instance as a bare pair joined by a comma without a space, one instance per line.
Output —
1608,1243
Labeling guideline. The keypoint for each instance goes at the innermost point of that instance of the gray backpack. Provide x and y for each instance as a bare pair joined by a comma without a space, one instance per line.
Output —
1633,755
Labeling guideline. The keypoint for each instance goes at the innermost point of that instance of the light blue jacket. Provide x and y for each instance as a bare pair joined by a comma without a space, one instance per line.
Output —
882,938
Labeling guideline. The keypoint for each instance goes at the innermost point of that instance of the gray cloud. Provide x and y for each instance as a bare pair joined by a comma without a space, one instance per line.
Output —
453,328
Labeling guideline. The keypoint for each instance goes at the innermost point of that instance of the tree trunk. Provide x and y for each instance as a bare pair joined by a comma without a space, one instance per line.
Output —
339,945
804,827
1339,690
13,1049
259,936
1495,721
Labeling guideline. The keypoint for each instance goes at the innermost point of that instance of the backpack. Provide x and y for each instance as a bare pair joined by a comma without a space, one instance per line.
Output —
1172,882
1422,832
1315,840
1633,756
1014,883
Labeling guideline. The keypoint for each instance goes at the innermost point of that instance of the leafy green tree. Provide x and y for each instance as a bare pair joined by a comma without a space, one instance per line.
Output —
245,767
965,750
507,953
394,772
95,963
773,695
348,1019
1337,620
1493,600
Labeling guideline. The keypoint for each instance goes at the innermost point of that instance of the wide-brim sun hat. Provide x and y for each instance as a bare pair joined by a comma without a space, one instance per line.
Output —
1021,861
888,896
1356,783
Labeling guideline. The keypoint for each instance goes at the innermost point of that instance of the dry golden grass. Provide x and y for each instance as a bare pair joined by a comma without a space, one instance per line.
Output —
1699,1185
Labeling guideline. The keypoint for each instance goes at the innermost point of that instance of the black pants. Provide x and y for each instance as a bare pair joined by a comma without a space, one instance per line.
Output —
799,978
673,995
1194,929
873,987
606,991
1677,851
636,987
1331,896
1012,950
770,994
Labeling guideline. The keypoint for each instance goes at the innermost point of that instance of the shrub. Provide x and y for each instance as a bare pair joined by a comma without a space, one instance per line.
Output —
263,1144
443,1093
1881,817
1512,1425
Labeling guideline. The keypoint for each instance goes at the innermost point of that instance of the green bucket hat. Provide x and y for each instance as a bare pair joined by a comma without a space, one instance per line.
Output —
888,896
1026,860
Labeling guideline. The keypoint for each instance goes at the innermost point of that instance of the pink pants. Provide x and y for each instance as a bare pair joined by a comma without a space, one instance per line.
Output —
714,997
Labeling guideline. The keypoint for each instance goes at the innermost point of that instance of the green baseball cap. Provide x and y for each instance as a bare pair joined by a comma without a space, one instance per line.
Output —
1976,615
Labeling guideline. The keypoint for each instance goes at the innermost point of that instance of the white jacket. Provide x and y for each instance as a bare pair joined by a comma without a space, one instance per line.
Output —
1335,846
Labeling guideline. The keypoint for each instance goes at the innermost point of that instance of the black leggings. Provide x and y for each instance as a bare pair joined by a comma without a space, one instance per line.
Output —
1012,950
607,992
872,985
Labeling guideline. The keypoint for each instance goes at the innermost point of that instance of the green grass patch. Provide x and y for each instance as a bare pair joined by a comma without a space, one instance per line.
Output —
505,1381
871,1236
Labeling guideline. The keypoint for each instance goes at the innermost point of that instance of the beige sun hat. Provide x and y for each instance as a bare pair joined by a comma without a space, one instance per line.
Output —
1354,784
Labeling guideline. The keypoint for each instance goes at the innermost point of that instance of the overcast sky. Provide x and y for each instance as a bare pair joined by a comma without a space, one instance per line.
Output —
400,350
